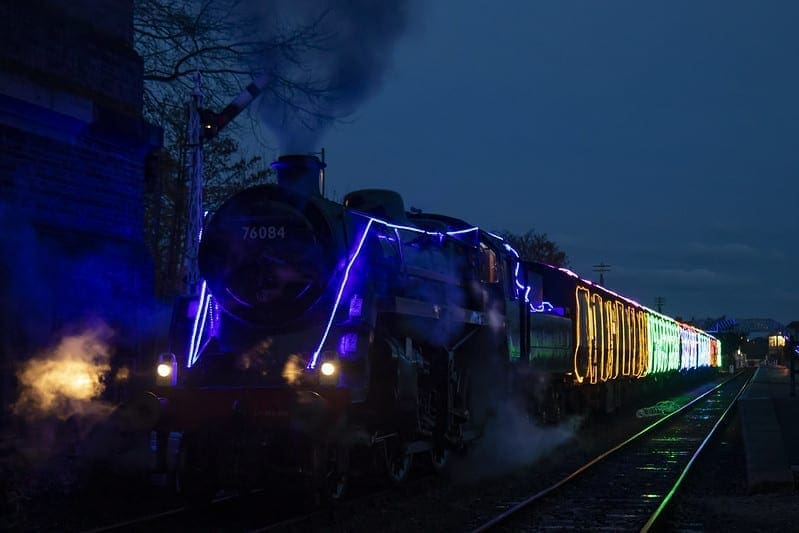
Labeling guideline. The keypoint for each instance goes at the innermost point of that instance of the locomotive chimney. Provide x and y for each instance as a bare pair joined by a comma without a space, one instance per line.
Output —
299,172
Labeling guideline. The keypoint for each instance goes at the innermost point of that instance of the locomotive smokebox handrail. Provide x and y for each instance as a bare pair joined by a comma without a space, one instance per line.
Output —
793,353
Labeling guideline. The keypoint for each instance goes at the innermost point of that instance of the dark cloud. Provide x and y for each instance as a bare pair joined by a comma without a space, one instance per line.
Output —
350,47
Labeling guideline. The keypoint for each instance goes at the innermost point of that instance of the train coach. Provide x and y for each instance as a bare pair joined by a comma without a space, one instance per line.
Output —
585,339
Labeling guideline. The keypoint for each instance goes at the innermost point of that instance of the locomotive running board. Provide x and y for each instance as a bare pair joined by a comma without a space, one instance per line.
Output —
423,309
419,446
416,446
471,434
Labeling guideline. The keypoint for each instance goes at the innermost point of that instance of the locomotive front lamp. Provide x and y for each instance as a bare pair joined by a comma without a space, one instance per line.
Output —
166,370
328,368
328,373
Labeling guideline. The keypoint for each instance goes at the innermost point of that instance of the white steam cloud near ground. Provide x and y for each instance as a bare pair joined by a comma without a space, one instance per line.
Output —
512,440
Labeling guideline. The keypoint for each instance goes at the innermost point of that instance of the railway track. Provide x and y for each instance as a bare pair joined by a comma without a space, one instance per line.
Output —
259,512
220,512
629,486
273,511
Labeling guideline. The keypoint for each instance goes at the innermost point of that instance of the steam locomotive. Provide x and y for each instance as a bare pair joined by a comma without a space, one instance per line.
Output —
326,331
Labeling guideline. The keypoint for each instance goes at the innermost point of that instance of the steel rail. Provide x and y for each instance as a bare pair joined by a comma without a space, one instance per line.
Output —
538,495
667,499
134,521
349,504
155,516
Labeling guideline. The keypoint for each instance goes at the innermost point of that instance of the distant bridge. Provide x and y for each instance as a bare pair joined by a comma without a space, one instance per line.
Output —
745,326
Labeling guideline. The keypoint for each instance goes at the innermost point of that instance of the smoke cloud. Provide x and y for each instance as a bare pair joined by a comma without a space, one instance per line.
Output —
331,56
68,379
512,440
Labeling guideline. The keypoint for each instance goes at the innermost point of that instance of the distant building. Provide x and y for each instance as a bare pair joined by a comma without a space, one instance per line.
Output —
776,345
752,339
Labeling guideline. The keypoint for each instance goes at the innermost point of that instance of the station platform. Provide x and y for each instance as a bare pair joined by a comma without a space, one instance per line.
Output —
770,429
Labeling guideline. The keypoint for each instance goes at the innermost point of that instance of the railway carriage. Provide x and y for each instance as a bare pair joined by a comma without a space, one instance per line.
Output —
613,340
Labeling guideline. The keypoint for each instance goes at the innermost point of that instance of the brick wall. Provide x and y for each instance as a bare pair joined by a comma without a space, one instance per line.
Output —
83,47
73,148
89,185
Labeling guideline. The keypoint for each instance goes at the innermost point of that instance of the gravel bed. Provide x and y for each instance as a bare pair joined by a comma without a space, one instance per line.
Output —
715,496
500,473
495,474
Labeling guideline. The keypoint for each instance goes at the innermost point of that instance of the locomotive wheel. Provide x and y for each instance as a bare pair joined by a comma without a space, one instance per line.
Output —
193,474
553,407
337,475
439,458
329,474
398,463
337,484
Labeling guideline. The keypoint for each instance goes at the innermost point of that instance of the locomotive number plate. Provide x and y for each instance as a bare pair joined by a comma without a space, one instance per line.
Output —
253,233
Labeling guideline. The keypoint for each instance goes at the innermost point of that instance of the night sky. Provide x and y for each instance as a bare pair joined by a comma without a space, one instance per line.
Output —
657,137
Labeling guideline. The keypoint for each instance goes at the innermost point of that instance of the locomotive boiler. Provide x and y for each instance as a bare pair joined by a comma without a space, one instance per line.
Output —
327,331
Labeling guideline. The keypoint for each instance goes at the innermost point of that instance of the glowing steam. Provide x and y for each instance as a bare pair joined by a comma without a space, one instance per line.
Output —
67,379
255,358
293,369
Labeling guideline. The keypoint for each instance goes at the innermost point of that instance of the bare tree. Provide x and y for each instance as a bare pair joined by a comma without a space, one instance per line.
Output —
176,39
534,246
229,42
321,59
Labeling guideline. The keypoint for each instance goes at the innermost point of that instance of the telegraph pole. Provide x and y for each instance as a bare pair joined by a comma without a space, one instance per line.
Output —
601,268
204,125
191,273
660,302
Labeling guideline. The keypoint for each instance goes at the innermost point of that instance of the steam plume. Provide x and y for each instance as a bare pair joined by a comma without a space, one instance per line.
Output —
340,61
511,441
66,380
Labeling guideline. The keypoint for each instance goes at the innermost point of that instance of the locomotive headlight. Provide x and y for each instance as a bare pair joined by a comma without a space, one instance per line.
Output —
328,372
166,370
328,368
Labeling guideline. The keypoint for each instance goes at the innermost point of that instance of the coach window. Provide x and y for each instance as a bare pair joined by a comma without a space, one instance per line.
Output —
489,264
